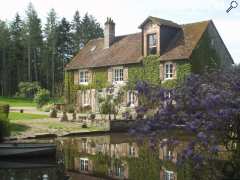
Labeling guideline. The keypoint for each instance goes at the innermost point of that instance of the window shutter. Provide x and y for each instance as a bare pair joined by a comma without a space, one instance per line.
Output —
174,71
76,77
161,73
110,74
125,73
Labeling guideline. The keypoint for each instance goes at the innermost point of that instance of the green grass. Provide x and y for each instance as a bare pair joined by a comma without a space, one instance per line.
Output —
25,116
17,102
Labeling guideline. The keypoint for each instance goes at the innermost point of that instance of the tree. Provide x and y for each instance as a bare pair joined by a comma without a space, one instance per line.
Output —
5,65
206,106
76,28
16,51
51,48
34,42
90,29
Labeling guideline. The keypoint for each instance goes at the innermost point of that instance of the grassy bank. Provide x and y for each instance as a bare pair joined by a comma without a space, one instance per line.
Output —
25,116
17,102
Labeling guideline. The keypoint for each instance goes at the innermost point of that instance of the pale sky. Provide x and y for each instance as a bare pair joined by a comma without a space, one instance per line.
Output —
129,14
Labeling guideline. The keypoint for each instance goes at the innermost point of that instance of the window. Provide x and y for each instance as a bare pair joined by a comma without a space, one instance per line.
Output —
83,77
168,155
83,164
118,74
152,44
132,151
168,175
168,72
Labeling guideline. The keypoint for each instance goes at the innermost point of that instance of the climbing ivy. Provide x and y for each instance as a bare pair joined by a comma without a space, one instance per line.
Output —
204,56
99,81
146,166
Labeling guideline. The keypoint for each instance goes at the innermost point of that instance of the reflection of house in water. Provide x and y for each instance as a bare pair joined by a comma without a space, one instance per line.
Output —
104,157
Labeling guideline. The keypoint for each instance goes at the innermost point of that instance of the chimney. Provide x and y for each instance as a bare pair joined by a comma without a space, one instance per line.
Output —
109,33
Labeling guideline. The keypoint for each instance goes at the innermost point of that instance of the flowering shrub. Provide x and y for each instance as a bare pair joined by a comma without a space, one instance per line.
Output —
207,106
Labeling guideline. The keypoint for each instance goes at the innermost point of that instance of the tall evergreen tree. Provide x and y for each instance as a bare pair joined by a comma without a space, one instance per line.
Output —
5,64
76,29
91,29
19,65
34,42
50,33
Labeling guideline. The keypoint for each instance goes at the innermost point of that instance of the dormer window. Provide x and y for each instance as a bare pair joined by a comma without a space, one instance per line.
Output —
152,44
83,76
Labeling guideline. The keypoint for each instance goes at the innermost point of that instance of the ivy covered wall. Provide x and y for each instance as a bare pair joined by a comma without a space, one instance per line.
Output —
204,56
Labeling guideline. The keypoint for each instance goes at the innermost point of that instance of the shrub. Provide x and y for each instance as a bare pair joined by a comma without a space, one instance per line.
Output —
92,116
42,97
4,108
53,113
27,89
47,107
4,126
70,108
84,126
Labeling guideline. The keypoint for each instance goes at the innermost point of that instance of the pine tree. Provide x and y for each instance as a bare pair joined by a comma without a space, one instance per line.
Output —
50,33
76,29
34,42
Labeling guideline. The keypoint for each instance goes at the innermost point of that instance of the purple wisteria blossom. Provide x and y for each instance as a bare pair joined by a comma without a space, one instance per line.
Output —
207,106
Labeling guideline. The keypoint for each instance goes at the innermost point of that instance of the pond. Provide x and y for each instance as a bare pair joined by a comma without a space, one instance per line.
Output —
109,156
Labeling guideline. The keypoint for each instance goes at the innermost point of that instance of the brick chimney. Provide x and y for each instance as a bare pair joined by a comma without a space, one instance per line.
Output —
109,33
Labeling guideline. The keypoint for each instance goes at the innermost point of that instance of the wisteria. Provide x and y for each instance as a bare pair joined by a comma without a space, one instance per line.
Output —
207,106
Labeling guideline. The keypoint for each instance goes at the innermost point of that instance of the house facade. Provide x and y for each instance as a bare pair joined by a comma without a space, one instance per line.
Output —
162,52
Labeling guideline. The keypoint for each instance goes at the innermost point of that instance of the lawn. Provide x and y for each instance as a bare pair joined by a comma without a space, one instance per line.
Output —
25,116
17,102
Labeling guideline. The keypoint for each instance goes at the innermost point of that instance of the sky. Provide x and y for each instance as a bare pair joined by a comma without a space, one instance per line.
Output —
129,14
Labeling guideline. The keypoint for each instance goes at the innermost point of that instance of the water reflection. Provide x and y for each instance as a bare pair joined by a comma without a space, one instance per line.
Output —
120,157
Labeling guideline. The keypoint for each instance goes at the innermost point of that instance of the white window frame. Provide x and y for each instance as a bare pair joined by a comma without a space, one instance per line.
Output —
83,77
168,175
118,74
168,71
84,164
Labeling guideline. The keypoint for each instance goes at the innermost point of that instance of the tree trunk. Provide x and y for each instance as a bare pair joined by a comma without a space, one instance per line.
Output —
29,64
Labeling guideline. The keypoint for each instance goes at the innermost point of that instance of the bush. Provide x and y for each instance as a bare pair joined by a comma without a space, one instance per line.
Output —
70,108
4,108
4,126
42,97
27,89
53,113
47,107
92,116
84,126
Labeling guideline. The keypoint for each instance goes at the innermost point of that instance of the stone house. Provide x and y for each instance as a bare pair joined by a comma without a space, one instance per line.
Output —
113,60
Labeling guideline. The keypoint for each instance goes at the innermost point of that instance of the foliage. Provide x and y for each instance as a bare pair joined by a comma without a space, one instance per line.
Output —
70,108
31,51
53,113
146,166
27,89
101,164
206,105
4,126
42,97
47,107
110,104
4,109
204,56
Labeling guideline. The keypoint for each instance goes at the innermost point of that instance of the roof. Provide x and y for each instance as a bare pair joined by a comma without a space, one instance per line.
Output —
128,49
159,21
